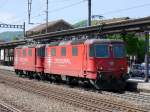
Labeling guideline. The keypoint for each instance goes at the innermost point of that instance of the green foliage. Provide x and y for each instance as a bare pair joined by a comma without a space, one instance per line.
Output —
15,38
141,50
9,36
80,24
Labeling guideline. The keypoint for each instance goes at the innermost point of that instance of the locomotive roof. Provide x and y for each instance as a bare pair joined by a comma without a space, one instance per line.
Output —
93,41
84,41
27,46
89,41
73,42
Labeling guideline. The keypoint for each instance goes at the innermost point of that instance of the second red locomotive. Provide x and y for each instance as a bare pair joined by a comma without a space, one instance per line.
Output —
102,62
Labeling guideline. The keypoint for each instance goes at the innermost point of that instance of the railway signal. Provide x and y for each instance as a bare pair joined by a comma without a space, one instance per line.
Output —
13,26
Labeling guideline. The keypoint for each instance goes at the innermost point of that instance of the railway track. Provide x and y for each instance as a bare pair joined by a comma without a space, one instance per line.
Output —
143,98
140,99
7,108
87,102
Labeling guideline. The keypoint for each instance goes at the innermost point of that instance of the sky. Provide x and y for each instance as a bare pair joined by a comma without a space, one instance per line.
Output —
72,11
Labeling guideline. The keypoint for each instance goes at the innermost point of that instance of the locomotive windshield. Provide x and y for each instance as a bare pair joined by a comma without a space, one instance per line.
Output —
99,50
118,50
103,50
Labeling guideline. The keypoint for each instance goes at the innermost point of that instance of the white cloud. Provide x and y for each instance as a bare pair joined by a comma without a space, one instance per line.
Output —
7,17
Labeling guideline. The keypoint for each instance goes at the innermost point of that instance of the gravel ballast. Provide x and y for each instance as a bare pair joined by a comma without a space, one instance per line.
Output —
32,102
70,89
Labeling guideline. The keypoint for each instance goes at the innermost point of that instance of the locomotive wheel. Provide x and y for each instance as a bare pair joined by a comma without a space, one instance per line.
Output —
27,74
42,76
17,72
20,73
30,75
53,78
99,83
49,78
71,81
36,76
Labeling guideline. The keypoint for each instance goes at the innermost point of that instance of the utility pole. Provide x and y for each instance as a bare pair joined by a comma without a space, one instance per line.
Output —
146,56
24,29
47,16
29,11
89,12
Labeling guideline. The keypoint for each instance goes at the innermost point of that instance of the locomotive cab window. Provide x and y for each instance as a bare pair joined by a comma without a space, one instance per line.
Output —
74,51
46,51
30,52
99,51
24,52
119,50
63,51
18,52
53,51
91,52
41,51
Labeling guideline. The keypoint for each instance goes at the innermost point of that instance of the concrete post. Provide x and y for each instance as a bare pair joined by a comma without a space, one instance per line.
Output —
8,57
4,56
146,55
0,55
13,56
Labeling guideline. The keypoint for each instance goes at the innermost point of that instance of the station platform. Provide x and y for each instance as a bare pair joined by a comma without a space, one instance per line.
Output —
10,68
138,84
132,83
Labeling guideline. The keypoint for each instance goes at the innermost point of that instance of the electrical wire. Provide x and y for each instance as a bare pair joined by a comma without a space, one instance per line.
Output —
65,7
61,8
106,13
55,10
60,1
126,9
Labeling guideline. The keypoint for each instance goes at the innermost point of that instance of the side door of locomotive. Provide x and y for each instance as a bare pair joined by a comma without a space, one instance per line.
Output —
89,62
77,59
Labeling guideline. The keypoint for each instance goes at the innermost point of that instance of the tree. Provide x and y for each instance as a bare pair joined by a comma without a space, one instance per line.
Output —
15,38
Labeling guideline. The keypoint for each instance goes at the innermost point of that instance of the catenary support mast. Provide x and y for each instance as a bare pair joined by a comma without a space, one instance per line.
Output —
89,12
47,15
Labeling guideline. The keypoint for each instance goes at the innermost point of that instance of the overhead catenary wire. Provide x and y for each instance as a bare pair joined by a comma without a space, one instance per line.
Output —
67,6
59,9
55,10
105,13
126,9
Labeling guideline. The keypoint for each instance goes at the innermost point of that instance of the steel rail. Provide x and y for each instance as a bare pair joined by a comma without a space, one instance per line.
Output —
73,101
7,108
138,98
107,104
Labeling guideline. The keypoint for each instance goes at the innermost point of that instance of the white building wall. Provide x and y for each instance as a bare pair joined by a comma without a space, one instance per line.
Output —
2,54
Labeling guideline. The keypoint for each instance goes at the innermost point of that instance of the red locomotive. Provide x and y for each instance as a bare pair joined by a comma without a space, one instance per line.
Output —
102,62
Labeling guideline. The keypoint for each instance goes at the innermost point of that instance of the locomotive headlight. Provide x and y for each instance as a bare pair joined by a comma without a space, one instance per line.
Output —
101,68
111,63
122,68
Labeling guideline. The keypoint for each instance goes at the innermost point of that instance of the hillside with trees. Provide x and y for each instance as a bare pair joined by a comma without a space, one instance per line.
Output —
11,35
